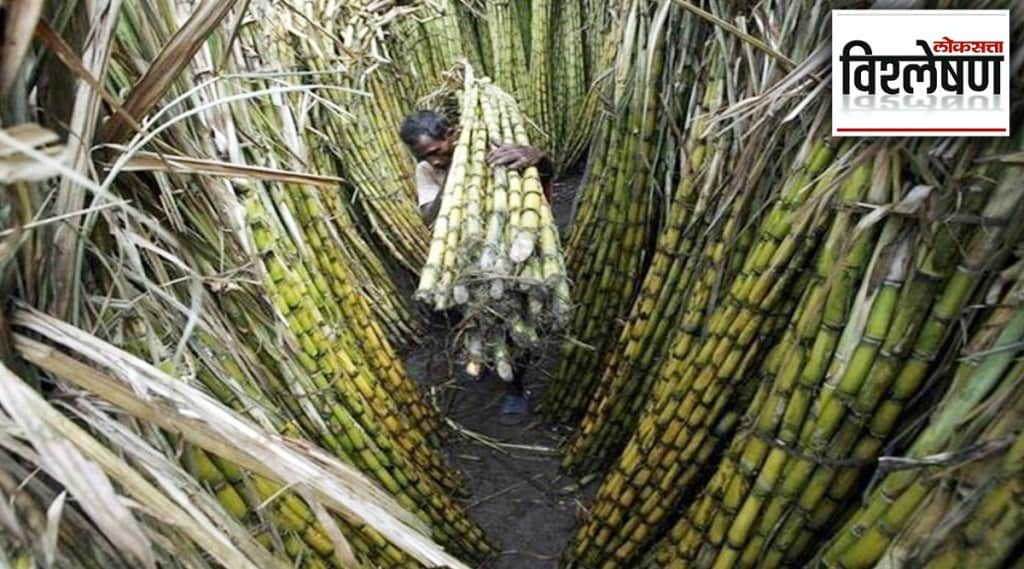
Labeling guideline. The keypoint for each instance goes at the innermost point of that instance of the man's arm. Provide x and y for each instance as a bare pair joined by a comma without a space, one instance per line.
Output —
546,169
430,210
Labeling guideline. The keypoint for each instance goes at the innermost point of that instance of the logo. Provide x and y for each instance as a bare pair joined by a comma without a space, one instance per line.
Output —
920,73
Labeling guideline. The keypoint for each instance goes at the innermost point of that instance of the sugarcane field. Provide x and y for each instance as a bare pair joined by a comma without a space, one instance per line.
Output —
511,284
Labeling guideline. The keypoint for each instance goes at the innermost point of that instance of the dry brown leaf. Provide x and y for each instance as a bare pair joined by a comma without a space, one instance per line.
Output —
15,165
51,427
49,538
168,65
143,161
174,405
83,478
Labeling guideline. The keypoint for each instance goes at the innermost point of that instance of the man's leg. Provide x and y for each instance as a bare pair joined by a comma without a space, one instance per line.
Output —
514,407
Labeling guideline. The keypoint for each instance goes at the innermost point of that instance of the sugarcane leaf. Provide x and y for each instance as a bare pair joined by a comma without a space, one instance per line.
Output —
67,55
21,147
83,478
756,42
224,536
68,248
342,550
21,18
1009,158
150,162
30,134
179,408
918,202
49,538
168,65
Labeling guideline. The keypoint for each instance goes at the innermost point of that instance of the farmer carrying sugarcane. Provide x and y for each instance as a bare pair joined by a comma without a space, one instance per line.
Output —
432,139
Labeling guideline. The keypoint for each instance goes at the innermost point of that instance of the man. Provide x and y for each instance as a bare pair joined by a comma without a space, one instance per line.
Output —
432,139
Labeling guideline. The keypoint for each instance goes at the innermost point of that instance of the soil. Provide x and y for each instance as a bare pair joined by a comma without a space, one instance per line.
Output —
518,495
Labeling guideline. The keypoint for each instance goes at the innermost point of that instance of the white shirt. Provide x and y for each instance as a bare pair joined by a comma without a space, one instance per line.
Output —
429,181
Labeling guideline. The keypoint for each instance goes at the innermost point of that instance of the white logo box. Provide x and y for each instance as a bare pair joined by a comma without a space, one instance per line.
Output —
951,36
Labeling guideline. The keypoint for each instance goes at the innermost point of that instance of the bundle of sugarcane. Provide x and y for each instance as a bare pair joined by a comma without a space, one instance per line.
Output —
244,494
879,312
539,106
291,142
430,37
606,249
706,234
954,498
265,496
691,259
587,40
495,251
703,371
568,79
576,97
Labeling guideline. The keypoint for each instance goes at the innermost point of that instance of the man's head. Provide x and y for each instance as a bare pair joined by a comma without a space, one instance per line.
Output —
429,136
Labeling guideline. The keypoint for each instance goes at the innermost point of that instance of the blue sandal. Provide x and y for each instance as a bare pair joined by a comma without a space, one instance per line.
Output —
514,410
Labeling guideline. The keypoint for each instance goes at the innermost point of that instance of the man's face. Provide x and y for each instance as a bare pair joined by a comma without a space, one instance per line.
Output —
437,153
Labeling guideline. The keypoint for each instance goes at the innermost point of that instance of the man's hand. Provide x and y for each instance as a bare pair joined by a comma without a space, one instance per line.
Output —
516,156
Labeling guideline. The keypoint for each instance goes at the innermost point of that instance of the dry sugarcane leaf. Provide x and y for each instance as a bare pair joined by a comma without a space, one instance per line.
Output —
343,553
65,253
168,65
29,134
62,429
21,19
149,162
203,509
86,481
24,169
174,405
49,538
15,165
67,55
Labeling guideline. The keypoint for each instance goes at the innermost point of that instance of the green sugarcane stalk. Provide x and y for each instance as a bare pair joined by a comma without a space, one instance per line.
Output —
610,244
625,379
664,443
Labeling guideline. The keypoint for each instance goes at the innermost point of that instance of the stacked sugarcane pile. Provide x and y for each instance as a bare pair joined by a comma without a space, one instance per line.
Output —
429,38
495,251
586,41
954,499
866,331
680,422
867,324
231,276
669,291
361,100
606,250
509,47
708,229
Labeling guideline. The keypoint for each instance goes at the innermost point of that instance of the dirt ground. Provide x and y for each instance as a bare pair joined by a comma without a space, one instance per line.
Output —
518,495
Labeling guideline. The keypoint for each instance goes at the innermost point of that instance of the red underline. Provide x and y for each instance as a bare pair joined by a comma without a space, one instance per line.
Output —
841,129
